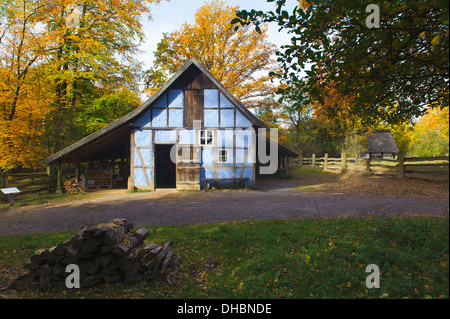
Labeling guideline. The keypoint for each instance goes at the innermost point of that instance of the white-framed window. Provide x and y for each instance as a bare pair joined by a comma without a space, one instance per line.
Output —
206,137
223,155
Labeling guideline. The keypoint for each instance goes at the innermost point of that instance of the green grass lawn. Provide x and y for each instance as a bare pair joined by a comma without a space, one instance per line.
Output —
43,197
309,258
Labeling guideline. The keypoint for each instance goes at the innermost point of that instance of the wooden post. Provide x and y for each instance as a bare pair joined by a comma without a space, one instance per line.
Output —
77,172
313,160
132,145
301,161
59,168
11,199
287,165
401,165
48,170
343,162
325,163
367,165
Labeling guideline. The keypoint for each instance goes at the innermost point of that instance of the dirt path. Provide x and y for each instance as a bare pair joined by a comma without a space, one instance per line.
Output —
169,207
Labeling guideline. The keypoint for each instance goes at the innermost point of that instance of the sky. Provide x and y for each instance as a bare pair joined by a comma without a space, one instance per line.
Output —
169,16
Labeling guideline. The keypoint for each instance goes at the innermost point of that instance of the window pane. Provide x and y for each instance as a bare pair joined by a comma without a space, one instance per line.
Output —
223,156
206,137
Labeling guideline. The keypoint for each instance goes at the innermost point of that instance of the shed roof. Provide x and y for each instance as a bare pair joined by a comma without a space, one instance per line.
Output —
381,141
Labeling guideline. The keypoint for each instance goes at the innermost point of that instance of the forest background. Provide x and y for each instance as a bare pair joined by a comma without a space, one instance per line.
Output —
69,68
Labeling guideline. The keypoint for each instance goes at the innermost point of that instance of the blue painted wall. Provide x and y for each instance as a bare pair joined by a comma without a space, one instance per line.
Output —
163,121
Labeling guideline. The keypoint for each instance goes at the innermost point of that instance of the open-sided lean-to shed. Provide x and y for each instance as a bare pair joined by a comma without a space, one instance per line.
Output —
209,132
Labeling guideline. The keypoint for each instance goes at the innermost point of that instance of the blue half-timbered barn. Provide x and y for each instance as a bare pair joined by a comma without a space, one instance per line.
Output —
190,134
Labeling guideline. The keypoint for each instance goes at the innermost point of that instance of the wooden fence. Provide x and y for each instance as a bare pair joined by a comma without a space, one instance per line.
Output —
427,168
331,163
28,182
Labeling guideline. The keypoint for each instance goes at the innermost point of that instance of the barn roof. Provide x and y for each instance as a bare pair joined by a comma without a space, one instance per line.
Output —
381,141
99,144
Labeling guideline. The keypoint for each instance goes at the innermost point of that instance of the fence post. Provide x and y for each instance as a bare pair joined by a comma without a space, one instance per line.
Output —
325,163
78,172
368,165
343,162
301,161
50,172
401,165
313,160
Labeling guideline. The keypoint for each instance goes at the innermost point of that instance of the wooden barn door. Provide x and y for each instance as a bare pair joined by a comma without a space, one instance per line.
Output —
188,167
188,162
193,107
164,167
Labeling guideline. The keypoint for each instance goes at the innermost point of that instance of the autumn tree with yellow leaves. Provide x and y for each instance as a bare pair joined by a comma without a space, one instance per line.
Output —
60,81
240,59
431,133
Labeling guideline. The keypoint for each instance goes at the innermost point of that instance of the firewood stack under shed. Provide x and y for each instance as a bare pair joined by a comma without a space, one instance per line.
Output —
108,253
72,186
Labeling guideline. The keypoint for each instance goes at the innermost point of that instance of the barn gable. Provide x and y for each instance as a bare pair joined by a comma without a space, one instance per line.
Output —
194,94
178,108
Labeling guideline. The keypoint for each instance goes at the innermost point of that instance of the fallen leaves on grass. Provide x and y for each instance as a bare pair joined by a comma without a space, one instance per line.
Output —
390,186
8,274
357,183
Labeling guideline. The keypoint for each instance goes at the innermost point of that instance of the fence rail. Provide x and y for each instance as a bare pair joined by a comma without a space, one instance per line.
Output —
427,168
27,183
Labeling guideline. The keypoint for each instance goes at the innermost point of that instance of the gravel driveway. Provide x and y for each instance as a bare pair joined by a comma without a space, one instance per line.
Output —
170,207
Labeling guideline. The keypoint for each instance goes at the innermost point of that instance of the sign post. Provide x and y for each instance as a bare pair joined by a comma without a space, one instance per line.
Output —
10,192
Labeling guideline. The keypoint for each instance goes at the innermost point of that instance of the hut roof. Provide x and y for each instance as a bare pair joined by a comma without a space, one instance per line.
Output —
381,141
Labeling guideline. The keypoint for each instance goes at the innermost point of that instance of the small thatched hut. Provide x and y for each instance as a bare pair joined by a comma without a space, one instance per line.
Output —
381,144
